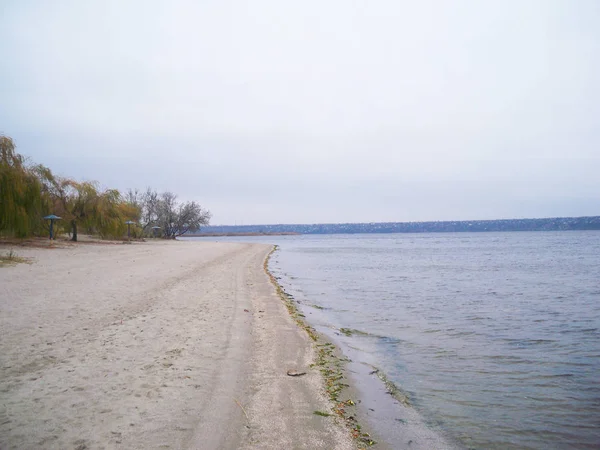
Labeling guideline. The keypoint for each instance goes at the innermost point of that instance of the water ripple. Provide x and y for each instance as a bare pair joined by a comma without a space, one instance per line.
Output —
495,336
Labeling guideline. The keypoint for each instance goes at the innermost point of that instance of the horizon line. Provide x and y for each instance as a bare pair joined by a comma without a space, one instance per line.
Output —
410,221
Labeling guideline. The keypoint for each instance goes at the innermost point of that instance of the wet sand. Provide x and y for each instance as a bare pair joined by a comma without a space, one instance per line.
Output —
154,345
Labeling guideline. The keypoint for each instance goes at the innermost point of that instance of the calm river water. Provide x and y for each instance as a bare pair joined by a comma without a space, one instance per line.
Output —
494,336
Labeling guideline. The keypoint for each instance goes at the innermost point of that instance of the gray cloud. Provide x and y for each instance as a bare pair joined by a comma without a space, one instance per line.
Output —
317,111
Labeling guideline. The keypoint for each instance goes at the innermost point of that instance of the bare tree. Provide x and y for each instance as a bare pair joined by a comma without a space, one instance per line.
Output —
147,204
191,216
133,197
149,207
176,219
167,213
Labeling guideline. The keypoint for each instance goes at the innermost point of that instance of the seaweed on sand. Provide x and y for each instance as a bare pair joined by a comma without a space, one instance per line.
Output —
329,363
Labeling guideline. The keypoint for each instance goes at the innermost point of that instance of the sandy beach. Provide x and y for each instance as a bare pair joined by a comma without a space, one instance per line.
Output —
154,345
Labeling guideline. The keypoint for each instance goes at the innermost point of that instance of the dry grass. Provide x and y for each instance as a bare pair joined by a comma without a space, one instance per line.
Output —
33,242
10,258
61,241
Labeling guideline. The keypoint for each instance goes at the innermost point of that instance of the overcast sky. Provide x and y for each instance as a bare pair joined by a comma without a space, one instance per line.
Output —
314,111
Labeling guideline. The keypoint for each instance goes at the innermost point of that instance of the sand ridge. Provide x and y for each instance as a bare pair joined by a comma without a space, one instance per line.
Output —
154,345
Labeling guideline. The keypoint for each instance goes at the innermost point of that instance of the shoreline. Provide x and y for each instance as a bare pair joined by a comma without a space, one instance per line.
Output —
331,364
155,345
380,406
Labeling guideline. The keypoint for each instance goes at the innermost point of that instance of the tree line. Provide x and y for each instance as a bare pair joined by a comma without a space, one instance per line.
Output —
28,192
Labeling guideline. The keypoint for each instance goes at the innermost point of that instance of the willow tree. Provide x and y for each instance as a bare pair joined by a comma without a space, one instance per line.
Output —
83,205
74,201
20,193
110,213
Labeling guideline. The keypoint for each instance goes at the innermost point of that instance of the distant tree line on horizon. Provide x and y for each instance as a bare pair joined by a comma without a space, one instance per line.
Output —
547,224
28,192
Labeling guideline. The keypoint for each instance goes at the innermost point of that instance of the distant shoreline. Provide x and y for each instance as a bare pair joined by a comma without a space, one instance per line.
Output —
457,226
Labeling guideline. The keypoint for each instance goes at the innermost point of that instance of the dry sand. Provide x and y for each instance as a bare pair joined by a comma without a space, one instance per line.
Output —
154,345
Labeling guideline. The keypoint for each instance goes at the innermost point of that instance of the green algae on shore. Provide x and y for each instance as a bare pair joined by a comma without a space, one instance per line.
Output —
352,331
328,361
391,387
